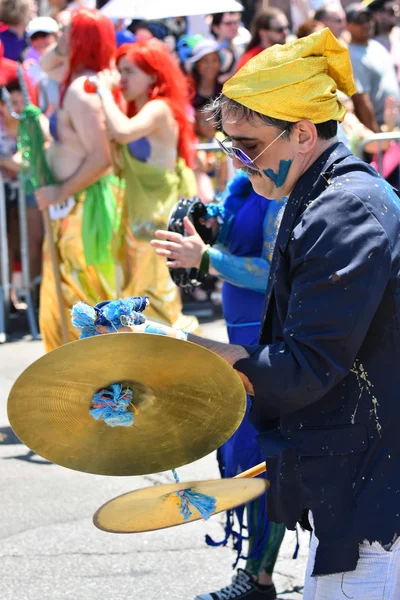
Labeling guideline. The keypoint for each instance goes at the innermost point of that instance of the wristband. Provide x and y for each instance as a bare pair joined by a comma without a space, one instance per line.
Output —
182,335
205,262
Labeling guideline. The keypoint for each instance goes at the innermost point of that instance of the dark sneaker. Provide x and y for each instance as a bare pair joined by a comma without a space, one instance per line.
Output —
243,586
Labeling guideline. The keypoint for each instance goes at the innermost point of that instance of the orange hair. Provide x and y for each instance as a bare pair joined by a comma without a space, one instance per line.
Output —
92,43
170,85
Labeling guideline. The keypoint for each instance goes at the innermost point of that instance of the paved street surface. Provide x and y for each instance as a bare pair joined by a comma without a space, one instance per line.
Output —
50,550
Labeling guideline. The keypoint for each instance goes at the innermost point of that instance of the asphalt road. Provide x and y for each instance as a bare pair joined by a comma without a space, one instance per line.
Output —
50,550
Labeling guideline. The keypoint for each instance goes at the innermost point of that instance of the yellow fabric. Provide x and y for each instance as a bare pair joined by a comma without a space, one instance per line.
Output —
78,281
295,81
150,194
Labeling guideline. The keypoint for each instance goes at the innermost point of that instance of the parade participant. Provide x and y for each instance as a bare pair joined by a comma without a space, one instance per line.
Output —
79,158
324,374
241,258
156,141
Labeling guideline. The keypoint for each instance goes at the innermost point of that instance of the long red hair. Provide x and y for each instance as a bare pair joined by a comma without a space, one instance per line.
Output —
170,85
92,44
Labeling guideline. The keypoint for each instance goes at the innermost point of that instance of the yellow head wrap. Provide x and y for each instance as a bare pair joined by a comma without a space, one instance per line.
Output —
297,80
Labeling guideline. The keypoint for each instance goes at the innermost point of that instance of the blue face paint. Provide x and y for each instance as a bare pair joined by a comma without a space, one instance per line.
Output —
279,178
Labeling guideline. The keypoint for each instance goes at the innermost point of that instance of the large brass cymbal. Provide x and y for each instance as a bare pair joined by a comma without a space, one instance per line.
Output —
158,507
189,401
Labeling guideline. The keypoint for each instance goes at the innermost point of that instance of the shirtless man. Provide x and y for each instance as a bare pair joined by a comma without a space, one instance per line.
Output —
79,158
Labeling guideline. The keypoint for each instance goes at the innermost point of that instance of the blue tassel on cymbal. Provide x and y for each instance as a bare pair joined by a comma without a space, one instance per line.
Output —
112,406
83,318
202,502
125,312
112,314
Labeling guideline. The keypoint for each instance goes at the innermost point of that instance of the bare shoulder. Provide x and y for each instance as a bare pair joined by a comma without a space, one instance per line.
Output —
157,108
76,94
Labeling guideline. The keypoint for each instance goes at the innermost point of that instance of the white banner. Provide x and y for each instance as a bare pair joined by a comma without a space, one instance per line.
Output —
162,9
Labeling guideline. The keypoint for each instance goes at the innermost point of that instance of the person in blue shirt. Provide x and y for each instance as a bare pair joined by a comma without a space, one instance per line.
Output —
241,258
15,15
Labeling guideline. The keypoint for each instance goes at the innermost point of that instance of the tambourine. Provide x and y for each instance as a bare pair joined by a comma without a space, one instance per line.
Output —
194,209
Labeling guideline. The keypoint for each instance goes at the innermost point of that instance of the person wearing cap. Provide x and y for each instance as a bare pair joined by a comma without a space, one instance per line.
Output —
324,375
41,33
204,67
373,68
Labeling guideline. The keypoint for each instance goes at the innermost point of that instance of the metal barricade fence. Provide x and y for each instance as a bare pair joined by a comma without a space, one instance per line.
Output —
378,138
26,289
5,287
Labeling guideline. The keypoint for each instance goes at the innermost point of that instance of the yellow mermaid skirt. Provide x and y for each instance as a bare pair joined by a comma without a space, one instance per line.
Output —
150,194
91,284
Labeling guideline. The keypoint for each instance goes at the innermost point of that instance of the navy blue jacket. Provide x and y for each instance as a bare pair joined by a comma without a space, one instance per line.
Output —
326,374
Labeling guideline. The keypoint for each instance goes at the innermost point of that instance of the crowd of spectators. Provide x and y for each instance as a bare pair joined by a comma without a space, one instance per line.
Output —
209,50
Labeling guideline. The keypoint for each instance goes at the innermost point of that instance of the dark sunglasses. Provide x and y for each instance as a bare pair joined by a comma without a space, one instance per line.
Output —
234,152
280,29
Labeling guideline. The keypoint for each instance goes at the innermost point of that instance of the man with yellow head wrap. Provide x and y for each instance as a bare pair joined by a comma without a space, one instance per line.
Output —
325,374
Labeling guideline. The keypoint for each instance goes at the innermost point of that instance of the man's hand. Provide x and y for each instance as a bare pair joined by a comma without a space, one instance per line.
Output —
150,327
181,251
229,352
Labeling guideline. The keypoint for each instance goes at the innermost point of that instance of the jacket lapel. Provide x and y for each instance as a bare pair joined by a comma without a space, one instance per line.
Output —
310,184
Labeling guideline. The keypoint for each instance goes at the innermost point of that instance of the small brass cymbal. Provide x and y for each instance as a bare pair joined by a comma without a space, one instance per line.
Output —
188,401
158,507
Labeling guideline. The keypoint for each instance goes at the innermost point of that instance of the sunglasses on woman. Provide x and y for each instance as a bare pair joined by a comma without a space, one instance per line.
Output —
234,152
280,29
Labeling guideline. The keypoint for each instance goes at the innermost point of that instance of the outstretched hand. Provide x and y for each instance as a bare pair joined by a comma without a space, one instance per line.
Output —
182,251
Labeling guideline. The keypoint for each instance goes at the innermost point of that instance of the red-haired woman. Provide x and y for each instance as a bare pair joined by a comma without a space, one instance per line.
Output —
84,203
156,144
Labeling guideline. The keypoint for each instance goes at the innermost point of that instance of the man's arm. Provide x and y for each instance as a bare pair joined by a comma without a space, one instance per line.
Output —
231,353
337,251
152,117
365,112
